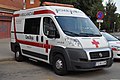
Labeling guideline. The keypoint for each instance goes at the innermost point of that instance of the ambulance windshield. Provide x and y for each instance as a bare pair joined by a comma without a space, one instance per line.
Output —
78,26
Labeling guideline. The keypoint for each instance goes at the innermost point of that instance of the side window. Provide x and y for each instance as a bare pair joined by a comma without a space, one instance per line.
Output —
49,28
32,26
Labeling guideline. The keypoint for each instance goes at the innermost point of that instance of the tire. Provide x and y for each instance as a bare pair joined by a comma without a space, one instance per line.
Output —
59,65
18,55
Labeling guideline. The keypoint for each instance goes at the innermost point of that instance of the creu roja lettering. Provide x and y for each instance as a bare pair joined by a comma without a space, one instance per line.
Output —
29,37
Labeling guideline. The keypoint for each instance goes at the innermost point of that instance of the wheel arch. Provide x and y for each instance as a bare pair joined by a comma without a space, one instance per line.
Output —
60,50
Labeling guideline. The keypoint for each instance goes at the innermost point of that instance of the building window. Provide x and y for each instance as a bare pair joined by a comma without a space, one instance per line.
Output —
32,1
32,26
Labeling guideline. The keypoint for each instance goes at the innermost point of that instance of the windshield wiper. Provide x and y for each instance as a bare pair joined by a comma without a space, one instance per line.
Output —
89,34
81,34
96,34
71,33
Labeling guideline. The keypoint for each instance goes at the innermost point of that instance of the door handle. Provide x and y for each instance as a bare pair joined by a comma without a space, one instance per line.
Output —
28,46
37,38
41,38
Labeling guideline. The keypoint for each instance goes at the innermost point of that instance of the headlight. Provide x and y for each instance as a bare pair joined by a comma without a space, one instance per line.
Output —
73,42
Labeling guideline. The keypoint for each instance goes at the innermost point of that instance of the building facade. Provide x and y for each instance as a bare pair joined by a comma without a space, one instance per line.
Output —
7,7
31,3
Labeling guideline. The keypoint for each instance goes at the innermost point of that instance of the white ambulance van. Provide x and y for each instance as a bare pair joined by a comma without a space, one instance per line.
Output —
61,36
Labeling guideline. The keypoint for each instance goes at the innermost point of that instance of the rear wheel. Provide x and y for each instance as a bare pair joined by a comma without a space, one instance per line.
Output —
18,55
59,65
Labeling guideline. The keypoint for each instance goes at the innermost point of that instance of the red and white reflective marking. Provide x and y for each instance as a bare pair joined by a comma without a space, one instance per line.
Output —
47,46
96,43
37,12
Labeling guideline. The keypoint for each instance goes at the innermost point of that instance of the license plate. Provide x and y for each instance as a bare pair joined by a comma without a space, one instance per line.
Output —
101,63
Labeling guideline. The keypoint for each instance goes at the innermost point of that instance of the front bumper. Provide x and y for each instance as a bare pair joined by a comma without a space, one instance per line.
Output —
81,60
90,65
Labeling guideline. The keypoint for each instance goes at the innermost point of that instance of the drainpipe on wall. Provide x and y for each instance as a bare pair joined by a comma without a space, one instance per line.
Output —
24,4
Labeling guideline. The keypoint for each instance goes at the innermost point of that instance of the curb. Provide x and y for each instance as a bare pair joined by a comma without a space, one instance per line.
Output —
7,59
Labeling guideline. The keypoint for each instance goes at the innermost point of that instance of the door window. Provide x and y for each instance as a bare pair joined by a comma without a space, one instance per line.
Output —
49,28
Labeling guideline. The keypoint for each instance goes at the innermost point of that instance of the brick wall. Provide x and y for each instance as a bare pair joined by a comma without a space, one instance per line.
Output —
5,24
32,3
5,29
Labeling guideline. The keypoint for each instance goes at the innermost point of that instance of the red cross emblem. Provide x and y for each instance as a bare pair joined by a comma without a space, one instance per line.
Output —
47,46
95,43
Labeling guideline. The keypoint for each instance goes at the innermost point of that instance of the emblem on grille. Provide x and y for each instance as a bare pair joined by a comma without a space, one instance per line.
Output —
100,54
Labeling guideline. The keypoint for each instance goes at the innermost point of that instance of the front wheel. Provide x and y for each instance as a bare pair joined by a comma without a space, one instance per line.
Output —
59,65
18,55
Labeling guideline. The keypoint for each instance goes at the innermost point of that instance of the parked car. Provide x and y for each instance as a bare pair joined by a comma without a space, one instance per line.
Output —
114,43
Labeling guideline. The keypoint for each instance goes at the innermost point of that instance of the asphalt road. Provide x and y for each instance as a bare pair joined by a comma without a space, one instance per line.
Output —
29,70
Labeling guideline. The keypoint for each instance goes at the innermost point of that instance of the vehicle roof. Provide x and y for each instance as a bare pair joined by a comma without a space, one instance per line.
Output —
57,10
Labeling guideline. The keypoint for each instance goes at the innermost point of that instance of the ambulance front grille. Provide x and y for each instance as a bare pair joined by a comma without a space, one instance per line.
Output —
100,54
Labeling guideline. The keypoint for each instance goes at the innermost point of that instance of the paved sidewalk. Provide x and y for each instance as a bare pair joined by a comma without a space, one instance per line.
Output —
5,40
5,52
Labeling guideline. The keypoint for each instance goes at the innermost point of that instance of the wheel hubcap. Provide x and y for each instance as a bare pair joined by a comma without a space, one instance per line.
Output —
59,64
17,54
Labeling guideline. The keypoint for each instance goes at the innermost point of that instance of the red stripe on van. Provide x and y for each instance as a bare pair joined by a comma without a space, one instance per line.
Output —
38,12
15,30
46,45
30,43
44,12
16,15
